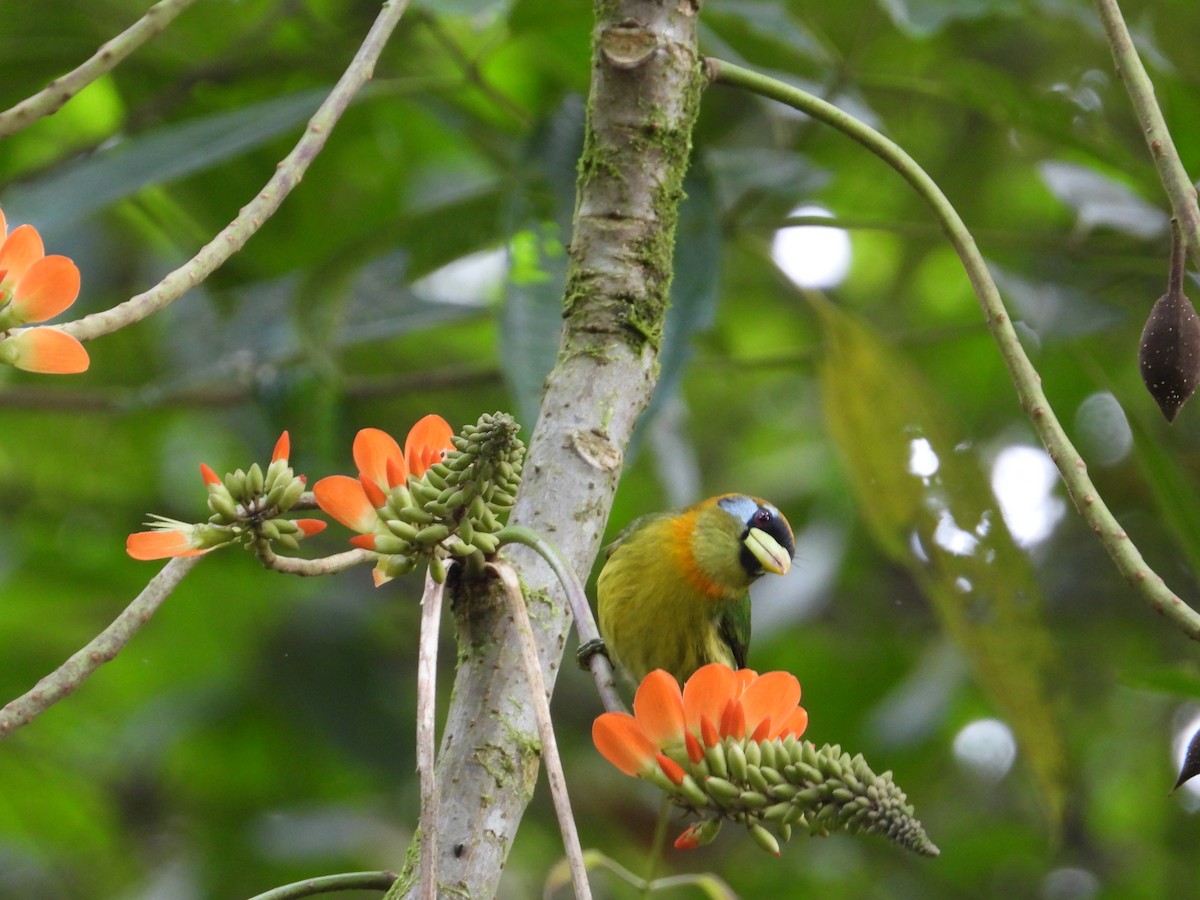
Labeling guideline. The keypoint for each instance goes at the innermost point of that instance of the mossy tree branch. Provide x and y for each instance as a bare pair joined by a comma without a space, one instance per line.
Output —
646,83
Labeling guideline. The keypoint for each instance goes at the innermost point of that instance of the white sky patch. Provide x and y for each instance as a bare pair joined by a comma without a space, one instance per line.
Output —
922,461
1023,479
952,538
986,748
812,256
473,280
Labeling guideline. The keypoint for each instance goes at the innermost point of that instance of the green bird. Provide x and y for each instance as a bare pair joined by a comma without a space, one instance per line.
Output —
674,592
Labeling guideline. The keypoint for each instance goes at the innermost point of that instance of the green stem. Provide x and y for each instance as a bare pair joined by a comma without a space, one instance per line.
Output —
658,842
101,649
581,611
325,565
264,205
327,884
1024,376
53,96
1180,190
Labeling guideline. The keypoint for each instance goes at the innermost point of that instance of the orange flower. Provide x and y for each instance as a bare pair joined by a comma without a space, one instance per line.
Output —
172,538
716,703
382,467
33,288
178,539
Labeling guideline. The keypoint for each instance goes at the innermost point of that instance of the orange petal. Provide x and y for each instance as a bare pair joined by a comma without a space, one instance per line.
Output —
733,721
375,495
20,250
379,576
45,350
160,545
396,473
687,840
708,732
796,723
3,226
658,706
209,476
743,678
372,450
283,447
706,693
309,527
49,286
670,768
342,497
771,696
620,741
761,731
363,541
426,443
695,750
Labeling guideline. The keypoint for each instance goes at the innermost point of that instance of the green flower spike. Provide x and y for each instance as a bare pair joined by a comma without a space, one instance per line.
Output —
728,747
441,497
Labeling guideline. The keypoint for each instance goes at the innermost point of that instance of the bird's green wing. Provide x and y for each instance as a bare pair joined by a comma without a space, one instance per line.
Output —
733,623
629,529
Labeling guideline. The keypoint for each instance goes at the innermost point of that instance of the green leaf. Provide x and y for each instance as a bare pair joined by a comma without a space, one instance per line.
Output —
930,509
154,157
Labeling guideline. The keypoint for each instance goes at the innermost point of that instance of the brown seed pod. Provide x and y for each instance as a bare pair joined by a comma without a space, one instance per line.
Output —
1169,354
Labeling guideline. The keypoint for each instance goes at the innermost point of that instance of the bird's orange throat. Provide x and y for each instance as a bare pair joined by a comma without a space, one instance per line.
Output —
682,534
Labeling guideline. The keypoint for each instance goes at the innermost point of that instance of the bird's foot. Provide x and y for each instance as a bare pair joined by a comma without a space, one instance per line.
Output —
588,649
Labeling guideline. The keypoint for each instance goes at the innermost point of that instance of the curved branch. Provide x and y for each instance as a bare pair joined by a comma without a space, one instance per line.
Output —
252,216
581,611
101,649
431,617
54,96
328,884
306,568
1180,190
541,708
1070,464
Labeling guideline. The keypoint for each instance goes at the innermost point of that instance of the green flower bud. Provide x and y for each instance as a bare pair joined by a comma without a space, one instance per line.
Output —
722,791
254,481
735,757
764,838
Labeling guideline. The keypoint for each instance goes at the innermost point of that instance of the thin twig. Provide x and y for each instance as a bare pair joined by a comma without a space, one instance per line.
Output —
328,884
1180,190
101,649
53,96
1024,376
581,611
252,216
541,710
431,616
326,565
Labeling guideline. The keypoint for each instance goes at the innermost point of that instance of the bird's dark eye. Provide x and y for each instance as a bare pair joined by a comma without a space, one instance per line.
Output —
763,517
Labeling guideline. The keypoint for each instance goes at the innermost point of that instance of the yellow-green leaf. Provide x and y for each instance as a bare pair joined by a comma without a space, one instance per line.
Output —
929,506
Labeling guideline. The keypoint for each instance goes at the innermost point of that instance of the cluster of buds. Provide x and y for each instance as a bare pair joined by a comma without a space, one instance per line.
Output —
251,504
728,747
443,496
469,491
247,507
786,783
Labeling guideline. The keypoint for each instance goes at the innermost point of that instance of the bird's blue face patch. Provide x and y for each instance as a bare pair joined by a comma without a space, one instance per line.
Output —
740,507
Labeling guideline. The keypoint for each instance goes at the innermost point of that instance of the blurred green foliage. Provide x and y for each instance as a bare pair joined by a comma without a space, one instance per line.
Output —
260,729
